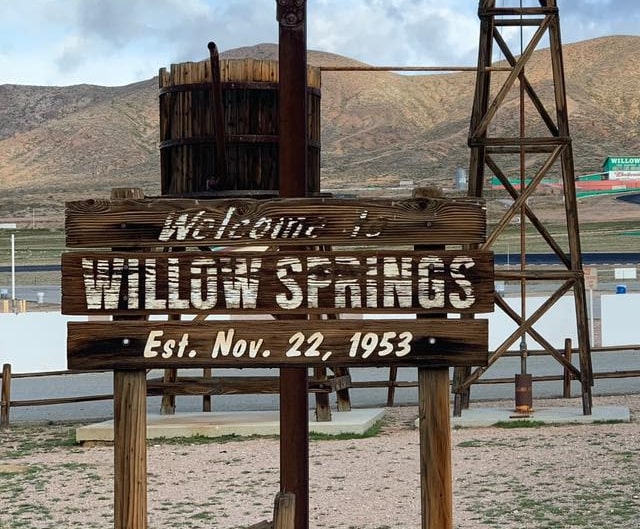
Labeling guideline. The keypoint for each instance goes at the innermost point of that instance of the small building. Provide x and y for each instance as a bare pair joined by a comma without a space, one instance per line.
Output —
619,174
622,167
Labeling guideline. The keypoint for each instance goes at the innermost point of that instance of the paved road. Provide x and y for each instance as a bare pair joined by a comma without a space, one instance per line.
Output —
101,383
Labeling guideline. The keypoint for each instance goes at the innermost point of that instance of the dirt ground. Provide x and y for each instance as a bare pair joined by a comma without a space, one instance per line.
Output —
569,477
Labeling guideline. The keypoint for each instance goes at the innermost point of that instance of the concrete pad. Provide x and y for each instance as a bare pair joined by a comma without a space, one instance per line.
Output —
477,417
239,423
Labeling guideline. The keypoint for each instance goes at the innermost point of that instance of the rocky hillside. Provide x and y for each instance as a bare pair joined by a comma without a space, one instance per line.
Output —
61,143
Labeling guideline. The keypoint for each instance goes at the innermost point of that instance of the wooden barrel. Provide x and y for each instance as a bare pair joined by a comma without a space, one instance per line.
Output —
250,103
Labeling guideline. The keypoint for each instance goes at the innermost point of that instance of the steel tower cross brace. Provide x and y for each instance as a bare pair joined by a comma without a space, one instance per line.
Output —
555,144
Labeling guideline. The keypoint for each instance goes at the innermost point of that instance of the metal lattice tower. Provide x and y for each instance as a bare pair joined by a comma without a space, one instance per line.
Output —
533,152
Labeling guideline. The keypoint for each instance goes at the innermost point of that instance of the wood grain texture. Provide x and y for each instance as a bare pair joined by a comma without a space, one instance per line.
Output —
246,94
290,221
5,396
435,449
277,282
130,449
124,344
236,385
284,511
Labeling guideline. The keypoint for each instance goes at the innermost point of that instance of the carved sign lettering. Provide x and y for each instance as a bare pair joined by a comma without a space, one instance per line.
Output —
127,344
237,222
277,282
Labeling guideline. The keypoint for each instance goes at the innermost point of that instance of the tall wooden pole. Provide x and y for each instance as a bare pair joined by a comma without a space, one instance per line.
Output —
294,408
571,208
436,482
435,448
129,433
130,449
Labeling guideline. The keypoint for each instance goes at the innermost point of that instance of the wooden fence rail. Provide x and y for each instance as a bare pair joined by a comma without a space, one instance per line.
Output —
6,403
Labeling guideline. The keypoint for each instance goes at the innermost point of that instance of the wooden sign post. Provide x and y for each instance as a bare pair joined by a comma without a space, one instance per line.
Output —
136,281
292,107
129,432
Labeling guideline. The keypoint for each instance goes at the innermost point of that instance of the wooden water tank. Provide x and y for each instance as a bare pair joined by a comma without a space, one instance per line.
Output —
250,103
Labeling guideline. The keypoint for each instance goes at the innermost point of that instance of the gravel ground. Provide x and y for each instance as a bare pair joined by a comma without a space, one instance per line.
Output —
580,476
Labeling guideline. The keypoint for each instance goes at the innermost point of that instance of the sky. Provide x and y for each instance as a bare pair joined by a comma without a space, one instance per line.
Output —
117,42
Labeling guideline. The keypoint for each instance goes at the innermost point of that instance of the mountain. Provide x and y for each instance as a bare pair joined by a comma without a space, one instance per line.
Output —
64,143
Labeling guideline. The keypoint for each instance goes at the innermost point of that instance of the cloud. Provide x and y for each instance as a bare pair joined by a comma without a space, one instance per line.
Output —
118,41
72,54
398,32
595,18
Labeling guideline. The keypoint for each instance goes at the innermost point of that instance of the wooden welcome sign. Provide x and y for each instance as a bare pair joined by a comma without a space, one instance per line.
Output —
157,345
278,222
277,282
139,282
180,257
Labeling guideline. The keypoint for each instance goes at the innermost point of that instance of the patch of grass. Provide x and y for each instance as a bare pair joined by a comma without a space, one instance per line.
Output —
36,246
520,423
32,441
371,432
203,439
471,443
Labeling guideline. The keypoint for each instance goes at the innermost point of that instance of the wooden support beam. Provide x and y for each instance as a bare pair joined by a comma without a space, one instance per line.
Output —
436,482
342,393
537,223
435,449
284,511
129,432
571,209
5,396
525,326
521,200
481,102
516,11
130,449
566,377
294,412
512,22
515,73
542,111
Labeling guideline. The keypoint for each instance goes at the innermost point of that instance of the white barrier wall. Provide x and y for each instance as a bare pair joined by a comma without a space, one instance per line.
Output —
558,323
36,341
33,342
620,319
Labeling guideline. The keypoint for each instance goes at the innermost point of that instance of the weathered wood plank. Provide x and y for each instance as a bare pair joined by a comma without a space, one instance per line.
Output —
158,345
130,449
237,385
277,282
293,221
435,449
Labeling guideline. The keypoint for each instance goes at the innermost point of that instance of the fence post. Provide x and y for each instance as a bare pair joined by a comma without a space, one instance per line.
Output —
284,511
206,399
566,381
391,390
5,398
